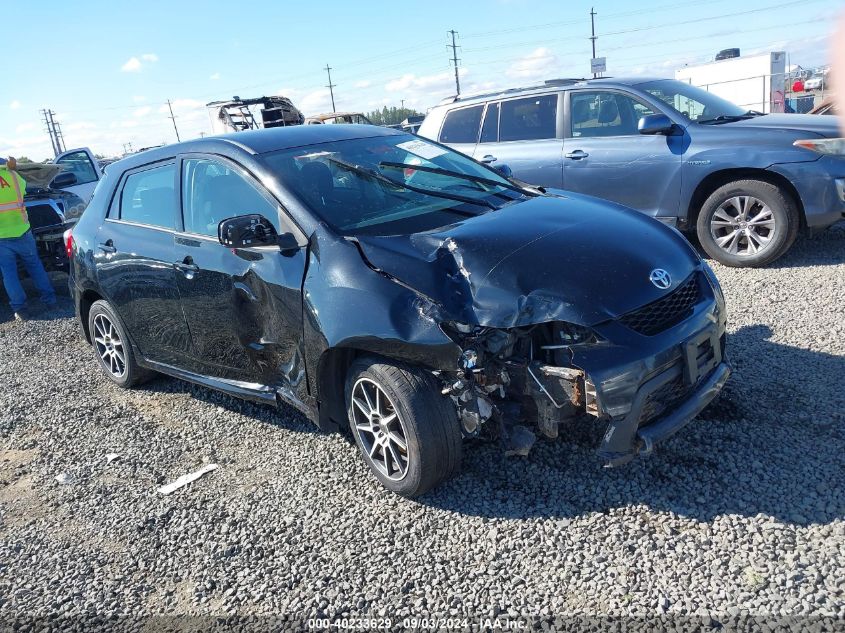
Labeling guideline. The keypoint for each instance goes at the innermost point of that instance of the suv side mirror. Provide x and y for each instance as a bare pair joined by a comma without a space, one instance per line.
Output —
64,179
245,231
504,170
655,124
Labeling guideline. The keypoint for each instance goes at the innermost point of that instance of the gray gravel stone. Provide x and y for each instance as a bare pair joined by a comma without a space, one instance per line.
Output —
741,513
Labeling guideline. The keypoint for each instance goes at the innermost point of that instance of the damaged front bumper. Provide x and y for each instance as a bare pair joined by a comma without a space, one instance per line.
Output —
643,386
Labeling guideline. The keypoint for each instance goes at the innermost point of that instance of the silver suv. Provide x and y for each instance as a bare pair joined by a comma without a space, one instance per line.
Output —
746,182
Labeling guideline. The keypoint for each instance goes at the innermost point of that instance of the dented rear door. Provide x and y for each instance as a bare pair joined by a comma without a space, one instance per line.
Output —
242,306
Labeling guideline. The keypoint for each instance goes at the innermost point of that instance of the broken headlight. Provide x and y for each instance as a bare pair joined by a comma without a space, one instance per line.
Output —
573,334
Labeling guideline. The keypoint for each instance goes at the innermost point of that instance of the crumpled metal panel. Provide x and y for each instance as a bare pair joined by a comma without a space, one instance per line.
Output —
576,260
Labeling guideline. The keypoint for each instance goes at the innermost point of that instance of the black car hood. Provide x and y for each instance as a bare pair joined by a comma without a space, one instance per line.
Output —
576,259
813,124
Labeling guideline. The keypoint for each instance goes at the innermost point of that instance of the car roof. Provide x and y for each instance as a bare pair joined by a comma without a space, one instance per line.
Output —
260,141
552,85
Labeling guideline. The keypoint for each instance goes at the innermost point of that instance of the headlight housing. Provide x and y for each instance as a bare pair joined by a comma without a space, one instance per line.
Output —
826,146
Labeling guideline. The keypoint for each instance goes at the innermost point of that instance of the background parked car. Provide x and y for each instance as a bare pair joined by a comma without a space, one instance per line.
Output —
52,207
673,151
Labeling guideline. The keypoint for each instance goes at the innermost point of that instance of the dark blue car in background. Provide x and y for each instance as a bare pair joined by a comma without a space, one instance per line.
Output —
746,182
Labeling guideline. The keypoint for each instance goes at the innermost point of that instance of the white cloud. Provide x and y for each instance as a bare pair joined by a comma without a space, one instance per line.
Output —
315,102
426,82
142,111
81,125
138,99
539,63
215,77
24,127
15,105
366,83
134,65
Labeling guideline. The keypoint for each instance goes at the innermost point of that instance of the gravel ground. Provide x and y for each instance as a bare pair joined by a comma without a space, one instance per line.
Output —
742,514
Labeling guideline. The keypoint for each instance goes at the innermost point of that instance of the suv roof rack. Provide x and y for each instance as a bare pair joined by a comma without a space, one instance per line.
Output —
564,81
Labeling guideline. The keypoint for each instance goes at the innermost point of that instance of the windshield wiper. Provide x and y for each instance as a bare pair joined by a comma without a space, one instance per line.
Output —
457,174
401,185
728,118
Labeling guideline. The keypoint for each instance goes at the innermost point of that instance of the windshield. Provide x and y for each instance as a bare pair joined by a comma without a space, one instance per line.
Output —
690,101
372,185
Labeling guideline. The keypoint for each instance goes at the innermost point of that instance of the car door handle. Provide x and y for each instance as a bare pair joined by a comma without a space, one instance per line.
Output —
489,158
578,154
107,247
187,266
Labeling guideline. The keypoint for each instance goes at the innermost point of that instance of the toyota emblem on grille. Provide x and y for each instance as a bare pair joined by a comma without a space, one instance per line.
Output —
660,278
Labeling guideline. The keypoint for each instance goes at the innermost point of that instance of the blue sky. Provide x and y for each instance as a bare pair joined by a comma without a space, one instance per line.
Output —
107,67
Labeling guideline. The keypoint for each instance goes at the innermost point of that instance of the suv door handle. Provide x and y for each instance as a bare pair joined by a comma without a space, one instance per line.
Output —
107,247
489,158
578,154
187,266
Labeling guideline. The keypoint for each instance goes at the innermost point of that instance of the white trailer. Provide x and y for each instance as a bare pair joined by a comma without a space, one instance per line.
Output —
755,82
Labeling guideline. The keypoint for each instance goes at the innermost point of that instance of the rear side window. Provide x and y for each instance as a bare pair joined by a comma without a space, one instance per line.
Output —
528,119
461,126
149,197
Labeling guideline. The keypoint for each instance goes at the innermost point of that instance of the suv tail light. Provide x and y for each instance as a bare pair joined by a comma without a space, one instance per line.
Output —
68,238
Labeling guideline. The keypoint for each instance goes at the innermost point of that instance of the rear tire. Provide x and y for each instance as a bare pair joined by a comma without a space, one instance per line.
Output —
112,347
406,430
747,223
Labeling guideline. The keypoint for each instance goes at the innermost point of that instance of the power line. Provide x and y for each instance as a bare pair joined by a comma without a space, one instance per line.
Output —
331,85
173,118
455,62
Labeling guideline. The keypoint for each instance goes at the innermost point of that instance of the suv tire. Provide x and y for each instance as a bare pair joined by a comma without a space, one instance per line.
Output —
112,346
747,223
406,429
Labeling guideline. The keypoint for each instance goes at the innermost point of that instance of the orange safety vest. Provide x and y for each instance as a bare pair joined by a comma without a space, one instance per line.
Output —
14,221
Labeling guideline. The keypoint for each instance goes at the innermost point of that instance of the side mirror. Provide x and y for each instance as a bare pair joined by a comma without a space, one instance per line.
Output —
504,170
245,231
64,179
655,124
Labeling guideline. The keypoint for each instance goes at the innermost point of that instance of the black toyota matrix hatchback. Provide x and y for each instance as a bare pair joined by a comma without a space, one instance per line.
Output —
378,280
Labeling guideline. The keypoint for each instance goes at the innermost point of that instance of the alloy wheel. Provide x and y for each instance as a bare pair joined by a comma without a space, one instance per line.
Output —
743,226
380,429
109,346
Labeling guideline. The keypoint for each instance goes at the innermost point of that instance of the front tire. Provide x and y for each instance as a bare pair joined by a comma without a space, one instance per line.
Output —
747,223
406,430
112,346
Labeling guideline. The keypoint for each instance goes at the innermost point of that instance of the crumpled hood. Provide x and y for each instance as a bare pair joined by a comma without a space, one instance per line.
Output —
576,259
815,125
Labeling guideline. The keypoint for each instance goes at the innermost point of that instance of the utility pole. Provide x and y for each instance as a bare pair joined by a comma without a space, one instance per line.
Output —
127,148
403,104
455,61
173,118
331,85
57,130
593,27
49,129
202,134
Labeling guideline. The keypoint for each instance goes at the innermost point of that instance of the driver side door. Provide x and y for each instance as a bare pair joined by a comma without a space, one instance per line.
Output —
243,306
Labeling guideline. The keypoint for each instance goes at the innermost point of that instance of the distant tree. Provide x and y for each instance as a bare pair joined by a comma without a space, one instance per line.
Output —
24,159
391,115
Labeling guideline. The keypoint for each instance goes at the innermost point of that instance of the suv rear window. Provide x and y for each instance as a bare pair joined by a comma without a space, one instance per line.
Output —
149,197
528,119
461,126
